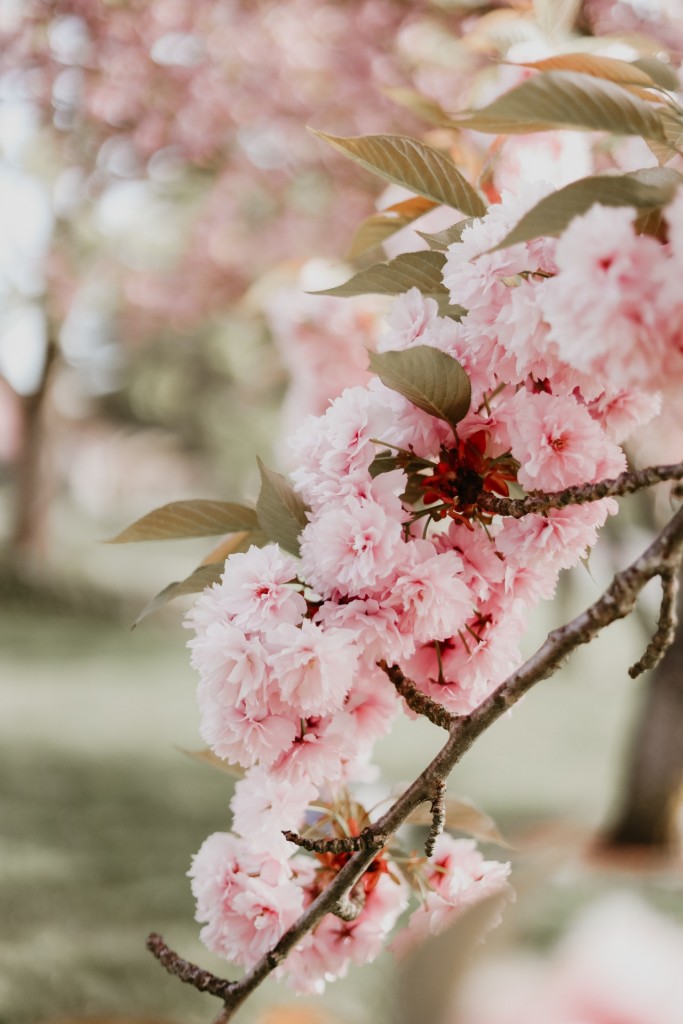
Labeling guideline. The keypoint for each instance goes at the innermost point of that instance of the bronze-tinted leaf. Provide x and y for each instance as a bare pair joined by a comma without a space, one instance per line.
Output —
429,378
660,73
202,577
281,511
567,99
645,190
620,71
440,240
200,517
409,270
236,542
376,229
427,171
673,138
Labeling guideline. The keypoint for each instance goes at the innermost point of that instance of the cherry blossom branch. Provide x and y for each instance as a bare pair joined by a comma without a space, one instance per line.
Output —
367,839
666,626
626,483
188,972
416,700
350,906
661,558
438,812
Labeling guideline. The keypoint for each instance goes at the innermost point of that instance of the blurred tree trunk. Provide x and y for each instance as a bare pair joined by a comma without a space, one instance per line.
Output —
28,542
653,784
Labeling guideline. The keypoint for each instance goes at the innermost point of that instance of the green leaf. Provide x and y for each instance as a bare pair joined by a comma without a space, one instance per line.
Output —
608,68
281,512
409,270
376,229
440,240
202,577
566,99
660,73
416,166
201,517
432,380
645,190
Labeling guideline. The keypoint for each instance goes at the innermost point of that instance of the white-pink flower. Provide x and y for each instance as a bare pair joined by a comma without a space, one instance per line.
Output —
604,306
351,550
264,804
458,877
245,736
319,751
313,668
412,319
232,665
254,592
246,897
335,945
561,537
556,441
429,593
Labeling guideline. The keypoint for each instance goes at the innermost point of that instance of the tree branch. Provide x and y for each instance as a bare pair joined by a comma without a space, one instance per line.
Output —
661,557
438,812
188,972
350,906
625,483
368,839
416,700
666,626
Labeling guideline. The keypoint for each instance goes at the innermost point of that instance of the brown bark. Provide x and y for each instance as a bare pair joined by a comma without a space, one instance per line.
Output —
653,784
28,542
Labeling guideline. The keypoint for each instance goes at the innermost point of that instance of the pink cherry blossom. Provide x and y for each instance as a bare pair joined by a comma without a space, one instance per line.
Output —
557,442
313,668
429,593
254,592
413,319
335,945
245,736
264,804
351,550
620,413
247,899
319,751
604,305
562,537
458,877
232,665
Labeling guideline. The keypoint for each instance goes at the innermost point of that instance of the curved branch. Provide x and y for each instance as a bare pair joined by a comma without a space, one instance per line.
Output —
416,700
367,839
438,813
666,626
617,602
626,483
188,972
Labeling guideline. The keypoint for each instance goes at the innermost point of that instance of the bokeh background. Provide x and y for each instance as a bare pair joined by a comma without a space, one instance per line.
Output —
163,210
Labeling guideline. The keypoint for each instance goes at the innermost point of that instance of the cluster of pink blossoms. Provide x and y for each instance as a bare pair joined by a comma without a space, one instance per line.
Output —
398,562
